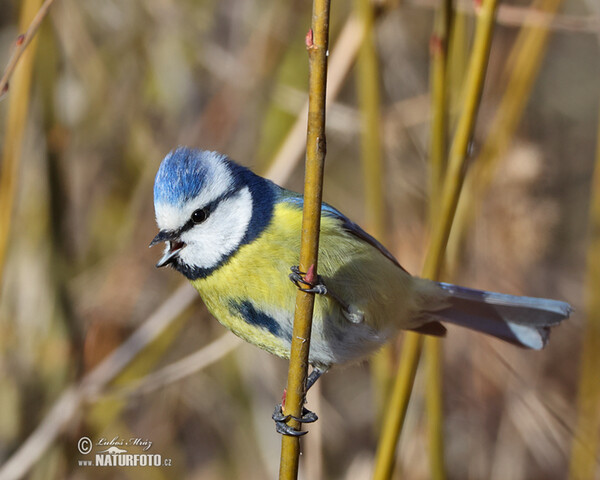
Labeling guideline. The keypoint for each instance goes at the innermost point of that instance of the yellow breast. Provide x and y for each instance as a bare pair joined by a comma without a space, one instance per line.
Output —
251,294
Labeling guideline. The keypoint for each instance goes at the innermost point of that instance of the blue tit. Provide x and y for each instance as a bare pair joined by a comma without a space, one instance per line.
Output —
235,235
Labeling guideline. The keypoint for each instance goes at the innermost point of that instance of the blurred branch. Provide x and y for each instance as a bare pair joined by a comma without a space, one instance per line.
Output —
92,385
516,16
438,156
180,369
317,40
22,43
458,157
368,78
397,406
369,99
458,49
438,51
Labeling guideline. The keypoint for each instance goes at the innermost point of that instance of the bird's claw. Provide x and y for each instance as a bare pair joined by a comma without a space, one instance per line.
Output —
298,278
281,419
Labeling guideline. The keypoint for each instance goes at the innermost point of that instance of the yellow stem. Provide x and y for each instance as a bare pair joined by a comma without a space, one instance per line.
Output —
438,47
397,406
369,102
434,405
438,144
317,45
458,49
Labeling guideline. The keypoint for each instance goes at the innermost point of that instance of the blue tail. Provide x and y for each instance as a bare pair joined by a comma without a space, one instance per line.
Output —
523,321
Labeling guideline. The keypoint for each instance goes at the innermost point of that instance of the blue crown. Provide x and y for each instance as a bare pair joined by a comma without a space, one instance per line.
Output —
183,174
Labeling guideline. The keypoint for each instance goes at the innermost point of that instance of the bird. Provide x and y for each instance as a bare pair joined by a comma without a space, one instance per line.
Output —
236,237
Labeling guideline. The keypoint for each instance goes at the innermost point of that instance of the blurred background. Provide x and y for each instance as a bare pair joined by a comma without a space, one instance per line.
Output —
116,85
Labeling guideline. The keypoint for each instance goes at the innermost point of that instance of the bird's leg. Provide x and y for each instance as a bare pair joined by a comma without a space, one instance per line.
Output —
298,278
307,416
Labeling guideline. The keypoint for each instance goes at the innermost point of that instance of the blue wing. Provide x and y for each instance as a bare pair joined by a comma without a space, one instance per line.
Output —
347,224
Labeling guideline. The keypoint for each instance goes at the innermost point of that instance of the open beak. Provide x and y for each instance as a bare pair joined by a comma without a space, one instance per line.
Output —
174,246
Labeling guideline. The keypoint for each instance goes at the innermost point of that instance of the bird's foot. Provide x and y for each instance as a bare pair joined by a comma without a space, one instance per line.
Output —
298,278
315,285
281,421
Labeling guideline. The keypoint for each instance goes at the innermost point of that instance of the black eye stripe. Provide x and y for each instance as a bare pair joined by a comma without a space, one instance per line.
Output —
208,209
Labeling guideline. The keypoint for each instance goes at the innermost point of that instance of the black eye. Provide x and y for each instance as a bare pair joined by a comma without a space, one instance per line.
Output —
198,216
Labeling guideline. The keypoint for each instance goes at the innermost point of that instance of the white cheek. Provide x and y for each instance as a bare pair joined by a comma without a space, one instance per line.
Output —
221,234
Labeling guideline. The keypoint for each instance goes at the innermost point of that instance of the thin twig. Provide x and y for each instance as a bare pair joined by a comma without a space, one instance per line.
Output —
180,369
22,43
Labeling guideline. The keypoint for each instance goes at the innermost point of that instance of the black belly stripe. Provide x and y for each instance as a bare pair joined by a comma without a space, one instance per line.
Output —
257,318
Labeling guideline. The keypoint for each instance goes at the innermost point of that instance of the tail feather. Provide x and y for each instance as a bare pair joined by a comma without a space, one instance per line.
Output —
523,321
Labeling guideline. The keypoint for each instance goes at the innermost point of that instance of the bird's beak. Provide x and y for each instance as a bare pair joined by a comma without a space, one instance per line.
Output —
174,246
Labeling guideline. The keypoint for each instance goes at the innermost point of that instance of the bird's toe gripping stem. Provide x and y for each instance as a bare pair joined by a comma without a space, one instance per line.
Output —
281,421
307,416
299,279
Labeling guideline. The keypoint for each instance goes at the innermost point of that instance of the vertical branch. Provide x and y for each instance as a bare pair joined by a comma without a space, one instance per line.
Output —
438,47
438,144
584,453
384,461
317,41
397,406
369,102
434,405
458,49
